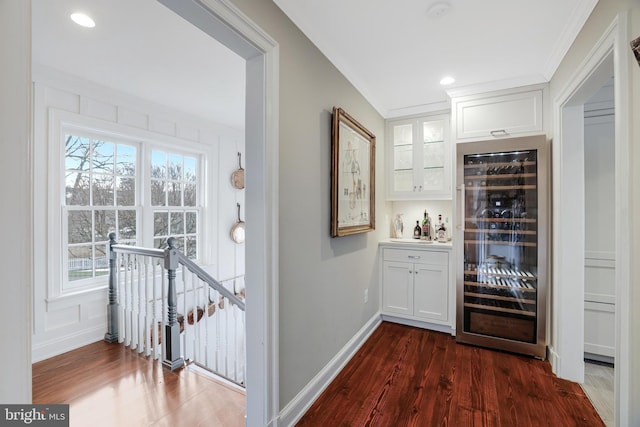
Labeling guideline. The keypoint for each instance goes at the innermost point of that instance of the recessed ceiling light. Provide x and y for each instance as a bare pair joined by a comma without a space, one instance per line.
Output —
439,9
82,20
447,80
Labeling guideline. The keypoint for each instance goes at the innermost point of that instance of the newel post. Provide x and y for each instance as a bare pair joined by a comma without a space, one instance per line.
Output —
112,306
172,359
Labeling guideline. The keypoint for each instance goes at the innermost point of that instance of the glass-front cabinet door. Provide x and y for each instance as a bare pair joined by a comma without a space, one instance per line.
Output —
503,208
419,158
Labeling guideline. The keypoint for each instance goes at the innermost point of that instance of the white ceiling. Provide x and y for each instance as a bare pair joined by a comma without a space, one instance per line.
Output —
142,48
394,52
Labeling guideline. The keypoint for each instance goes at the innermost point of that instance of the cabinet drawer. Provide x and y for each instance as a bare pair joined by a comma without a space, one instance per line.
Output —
416,256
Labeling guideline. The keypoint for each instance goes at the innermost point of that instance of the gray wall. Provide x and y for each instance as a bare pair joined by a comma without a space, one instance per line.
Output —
598,22
15,213
322,280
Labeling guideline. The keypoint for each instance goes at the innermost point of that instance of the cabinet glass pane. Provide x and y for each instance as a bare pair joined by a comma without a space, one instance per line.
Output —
402,157
433,131
433,154
500,245
403,134
403,180
433,178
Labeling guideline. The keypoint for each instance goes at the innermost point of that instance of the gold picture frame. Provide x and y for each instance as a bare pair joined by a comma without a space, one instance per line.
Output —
353,154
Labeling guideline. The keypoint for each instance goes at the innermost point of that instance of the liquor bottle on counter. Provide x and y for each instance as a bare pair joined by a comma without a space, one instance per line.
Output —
441,231
426,227
448,230
417,231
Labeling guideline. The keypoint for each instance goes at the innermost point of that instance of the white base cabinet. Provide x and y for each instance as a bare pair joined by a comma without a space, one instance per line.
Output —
416,285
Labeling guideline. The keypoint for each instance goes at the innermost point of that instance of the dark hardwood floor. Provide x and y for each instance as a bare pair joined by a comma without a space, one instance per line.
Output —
109,385
404,376
401,376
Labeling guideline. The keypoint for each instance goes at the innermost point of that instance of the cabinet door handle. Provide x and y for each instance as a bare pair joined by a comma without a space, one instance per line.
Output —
499,132
410,272
414,256
462,220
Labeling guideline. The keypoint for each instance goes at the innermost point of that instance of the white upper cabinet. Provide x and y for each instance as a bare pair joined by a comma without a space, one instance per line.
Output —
518,112
419,158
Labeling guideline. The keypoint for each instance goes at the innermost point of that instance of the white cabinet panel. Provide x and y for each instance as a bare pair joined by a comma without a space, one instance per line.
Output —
490,117
430,291
415,284
397,295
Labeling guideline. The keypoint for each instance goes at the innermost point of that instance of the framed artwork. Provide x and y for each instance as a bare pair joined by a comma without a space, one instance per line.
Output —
353,162
635,47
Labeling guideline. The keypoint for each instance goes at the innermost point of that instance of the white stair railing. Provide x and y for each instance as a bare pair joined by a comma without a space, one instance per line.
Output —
188,316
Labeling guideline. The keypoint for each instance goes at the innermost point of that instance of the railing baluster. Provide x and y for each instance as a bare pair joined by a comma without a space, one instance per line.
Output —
127,300
135,283
139,304
122,284
172,358
112,307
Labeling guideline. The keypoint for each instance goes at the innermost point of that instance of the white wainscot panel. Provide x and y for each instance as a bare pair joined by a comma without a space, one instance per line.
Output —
95,310
600,278
599,329
99,110
133,118
188,132
166,127
62,100
62,317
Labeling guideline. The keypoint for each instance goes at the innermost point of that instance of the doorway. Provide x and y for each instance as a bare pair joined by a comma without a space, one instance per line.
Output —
568,318
227,24
599,254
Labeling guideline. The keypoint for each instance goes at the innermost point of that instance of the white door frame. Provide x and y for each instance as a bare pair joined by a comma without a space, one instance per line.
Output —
228,25
608,57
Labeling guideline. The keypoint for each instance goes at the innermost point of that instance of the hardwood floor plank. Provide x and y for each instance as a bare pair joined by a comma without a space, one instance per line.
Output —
404,376
109,385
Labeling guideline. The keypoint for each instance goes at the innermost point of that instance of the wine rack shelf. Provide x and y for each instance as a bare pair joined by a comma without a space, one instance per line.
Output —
500,309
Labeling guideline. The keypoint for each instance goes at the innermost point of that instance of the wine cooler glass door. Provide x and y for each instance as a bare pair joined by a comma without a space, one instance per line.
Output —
500,284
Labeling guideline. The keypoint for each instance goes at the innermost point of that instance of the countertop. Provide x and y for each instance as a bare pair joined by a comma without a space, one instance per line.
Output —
415,243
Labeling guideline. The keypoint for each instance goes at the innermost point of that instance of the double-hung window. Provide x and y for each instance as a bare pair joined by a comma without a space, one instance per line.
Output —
101,181
174,200
142,191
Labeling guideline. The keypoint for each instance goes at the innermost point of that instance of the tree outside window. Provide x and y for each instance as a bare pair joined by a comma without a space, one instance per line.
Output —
174,201
100,197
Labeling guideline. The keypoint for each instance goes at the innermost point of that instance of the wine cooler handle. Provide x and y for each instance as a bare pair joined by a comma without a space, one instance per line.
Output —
462,219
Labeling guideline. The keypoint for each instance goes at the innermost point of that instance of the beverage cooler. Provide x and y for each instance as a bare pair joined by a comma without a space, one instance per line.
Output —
503,211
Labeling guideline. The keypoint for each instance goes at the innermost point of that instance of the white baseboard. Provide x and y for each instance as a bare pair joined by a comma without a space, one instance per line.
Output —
554,359
295,409
447,329
54,347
